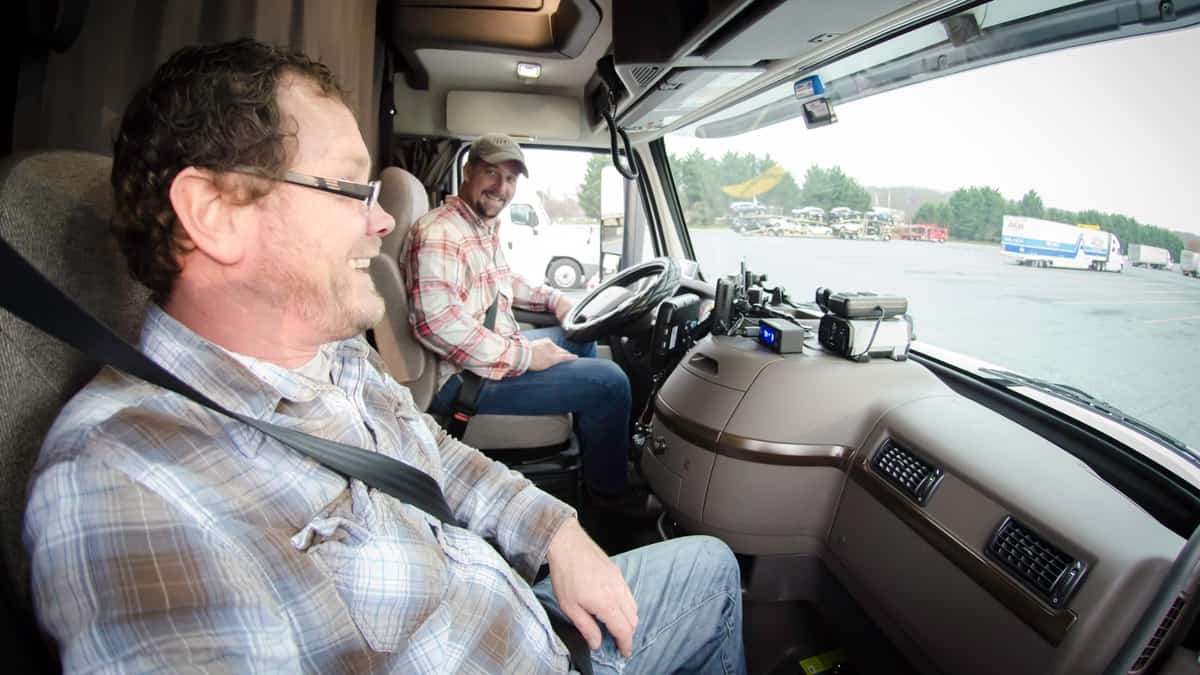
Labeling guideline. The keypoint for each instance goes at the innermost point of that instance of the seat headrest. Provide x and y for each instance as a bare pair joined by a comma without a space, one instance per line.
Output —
403,196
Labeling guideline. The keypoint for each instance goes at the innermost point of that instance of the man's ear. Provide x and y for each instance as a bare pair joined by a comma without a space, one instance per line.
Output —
207,215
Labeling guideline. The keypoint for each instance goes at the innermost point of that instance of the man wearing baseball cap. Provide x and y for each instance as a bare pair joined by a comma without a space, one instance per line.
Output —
455,269
497,149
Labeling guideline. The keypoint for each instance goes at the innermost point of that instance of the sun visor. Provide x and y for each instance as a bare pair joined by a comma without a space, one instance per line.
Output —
538,116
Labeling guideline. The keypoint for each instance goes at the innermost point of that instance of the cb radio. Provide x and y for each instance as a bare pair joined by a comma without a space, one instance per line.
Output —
861,305
861,325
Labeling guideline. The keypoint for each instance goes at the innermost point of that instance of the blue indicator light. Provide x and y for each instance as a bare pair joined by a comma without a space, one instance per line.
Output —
808,87
768,335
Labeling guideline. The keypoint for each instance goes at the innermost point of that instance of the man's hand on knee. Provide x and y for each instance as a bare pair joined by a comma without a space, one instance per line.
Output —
546,353
588,584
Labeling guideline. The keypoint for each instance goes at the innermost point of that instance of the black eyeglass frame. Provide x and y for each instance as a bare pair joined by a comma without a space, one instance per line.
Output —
367,193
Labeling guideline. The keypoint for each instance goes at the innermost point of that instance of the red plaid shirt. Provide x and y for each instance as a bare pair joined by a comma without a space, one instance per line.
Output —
454,267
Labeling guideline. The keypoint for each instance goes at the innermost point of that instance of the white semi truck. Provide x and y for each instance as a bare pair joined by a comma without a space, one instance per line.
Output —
536,248
1141,255
1045,243
1189,263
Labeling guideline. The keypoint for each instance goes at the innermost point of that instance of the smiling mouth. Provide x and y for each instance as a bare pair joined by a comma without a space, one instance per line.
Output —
360,263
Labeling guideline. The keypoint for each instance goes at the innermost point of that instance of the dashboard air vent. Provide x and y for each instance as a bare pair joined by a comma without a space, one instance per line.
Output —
643,75
916,477
1156,640
1043,568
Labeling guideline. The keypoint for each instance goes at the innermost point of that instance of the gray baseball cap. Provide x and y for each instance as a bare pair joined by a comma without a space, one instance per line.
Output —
497,149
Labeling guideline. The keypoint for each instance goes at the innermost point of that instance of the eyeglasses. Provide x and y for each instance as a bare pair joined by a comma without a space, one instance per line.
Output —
367,193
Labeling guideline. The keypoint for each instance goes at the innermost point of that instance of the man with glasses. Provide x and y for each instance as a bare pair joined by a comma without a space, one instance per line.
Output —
166,537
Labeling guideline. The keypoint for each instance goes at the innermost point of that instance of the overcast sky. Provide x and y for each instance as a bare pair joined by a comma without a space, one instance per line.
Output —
1113,126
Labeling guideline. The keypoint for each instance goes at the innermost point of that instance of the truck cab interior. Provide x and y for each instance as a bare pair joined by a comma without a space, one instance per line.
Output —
895,514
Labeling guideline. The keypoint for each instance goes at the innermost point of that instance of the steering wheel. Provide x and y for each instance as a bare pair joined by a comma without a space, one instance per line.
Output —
621,299
1180,576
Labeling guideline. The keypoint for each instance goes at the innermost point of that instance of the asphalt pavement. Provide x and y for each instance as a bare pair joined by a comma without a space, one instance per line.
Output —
1129,338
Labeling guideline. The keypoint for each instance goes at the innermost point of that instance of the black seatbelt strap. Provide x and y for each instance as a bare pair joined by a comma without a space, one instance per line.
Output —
31,297
467,403
46,307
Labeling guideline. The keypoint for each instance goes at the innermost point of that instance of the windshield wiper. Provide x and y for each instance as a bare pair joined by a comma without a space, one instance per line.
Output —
1008,378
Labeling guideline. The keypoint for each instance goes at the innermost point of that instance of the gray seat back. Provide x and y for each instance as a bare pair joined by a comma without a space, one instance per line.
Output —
55,209
404,197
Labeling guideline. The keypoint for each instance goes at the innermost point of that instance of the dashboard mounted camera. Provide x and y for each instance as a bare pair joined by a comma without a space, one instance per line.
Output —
815,106
818,113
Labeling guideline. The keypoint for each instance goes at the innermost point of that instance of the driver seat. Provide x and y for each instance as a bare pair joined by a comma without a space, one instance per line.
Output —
542,447
54,210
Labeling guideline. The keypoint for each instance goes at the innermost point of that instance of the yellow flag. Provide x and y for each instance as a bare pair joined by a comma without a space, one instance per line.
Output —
763,182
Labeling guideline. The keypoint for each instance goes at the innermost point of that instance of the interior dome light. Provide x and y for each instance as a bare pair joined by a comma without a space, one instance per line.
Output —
529,71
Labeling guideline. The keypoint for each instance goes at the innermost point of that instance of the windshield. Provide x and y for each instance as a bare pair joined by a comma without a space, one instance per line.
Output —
1033,211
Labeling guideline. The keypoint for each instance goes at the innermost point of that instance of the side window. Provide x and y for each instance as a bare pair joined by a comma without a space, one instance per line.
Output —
551,231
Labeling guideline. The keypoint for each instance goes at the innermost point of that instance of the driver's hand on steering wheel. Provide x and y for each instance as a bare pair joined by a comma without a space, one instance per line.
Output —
546,353
561,307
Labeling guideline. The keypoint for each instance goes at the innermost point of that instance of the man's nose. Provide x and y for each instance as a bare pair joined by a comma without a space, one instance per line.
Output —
379,222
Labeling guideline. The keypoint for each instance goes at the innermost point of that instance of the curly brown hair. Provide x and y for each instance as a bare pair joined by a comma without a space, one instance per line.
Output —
211,107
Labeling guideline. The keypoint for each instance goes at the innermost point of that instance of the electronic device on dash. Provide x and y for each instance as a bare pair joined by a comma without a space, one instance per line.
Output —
738,297
861,305
860,339
723,301
672,335
781,336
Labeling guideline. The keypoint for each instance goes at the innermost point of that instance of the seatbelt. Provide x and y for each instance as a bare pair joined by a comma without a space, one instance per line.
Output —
467,403
30,296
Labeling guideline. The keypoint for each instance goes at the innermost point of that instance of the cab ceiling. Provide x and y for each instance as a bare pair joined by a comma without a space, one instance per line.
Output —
536,30
444,45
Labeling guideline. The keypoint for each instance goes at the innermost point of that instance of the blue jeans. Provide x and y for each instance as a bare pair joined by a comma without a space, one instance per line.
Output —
689,602
595,391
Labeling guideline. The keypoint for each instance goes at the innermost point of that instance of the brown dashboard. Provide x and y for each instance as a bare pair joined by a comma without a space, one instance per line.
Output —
977,545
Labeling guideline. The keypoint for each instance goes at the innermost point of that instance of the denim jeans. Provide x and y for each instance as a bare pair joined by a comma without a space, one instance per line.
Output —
595,391
689,605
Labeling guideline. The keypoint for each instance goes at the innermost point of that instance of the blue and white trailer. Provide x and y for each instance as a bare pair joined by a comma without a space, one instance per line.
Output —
1045,243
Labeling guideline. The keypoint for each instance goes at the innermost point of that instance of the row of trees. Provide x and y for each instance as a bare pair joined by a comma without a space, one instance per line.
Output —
972,213
699,179
977,213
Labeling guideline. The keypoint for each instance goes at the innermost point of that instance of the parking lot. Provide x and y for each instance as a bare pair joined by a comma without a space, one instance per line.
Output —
1130,338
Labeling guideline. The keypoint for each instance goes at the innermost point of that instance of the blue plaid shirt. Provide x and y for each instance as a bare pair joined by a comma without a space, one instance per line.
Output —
165,536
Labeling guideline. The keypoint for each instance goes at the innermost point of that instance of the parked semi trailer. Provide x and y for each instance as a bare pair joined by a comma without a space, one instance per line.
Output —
1141,255
1189,262
1045,243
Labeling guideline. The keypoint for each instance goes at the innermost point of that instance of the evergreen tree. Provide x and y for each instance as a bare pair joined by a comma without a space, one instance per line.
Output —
831,188
1031,205
588,193
933,213
785,195
976,213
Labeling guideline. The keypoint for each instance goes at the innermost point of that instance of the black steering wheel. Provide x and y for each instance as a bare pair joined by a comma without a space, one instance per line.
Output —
1179,578
621,299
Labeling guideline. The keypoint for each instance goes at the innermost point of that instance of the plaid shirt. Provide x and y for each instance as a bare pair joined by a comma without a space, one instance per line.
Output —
455,266
166,537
